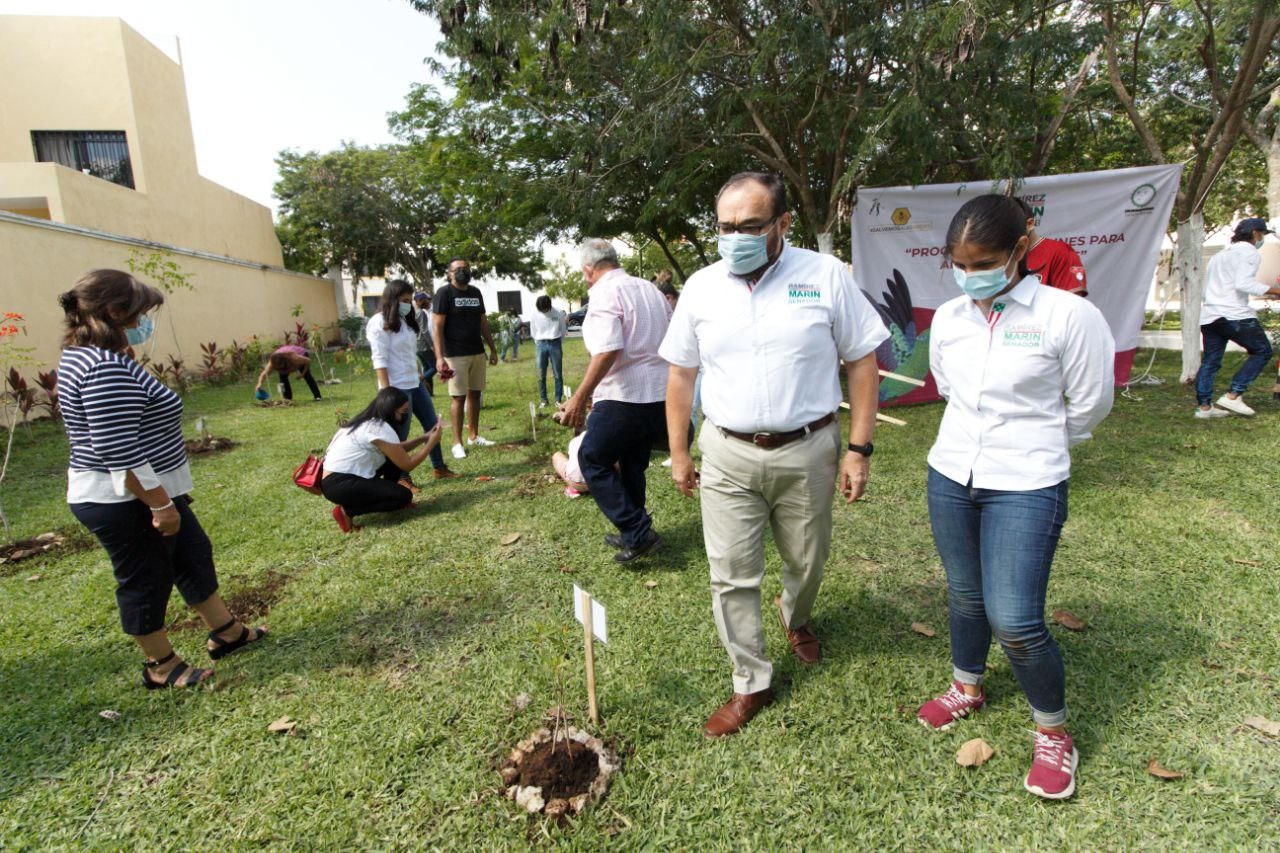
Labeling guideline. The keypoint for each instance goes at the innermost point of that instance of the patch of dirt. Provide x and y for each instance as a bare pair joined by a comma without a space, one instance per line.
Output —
561,769
209,444
246,603
24,548
53,543
273,404
515,445
530,485
558,774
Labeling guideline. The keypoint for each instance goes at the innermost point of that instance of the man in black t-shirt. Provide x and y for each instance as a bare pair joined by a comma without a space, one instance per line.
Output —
461,331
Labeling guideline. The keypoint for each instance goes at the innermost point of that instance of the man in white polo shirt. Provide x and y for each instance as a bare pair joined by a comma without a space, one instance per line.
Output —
625,383
769,325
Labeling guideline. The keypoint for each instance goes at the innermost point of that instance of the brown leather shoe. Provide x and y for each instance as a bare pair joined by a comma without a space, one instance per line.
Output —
804,643
730,717
443,473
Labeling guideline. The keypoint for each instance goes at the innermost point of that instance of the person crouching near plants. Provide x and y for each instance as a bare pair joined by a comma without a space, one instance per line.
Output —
283,361
1027,372
367,464
128,481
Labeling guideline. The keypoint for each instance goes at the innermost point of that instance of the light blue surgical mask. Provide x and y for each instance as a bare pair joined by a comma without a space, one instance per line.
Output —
404,308
1258,243
140,333
744,253
982,284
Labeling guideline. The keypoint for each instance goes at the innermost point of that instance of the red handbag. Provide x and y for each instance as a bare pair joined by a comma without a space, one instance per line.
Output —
307,475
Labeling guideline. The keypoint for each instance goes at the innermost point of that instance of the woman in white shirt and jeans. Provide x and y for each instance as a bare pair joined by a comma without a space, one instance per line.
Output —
1027,372
393,343
366,459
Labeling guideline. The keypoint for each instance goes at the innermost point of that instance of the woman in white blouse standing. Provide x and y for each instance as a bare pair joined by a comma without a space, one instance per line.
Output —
1027,372
393,341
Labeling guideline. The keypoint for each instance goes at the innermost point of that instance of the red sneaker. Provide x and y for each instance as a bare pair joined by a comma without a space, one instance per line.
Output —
942,713
344,520
1053,769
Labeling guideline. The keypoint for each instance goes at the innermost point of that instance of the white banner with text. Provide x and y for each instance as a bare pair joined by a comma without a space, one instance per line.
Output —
1115,221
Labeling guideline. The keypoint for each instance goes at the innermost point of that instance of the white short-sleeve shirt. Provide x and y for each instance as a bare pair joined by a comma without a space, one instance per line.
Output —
353,451
770,351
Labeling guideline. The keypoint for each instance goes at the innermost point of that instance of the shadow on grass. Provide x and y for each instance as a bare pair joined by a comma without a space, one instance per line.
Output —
51,714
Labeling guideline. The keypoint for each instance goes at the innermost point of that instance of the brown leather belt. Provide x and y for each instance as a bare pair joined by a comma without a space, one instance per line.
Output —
771,440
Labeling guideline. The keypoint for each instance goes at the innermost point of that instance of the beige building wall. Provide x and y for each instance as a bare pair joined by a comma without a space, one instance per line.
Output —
229,300
99,74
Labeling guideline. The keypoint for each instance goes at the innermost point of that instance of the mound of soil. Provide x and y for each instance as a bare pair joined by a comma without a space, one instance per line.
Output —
209,444
246,602
561,769
558,774
24,548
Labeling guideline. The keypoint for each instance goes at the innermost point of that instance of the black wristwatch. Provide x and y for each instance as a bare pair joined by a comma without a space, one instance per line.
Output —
864,449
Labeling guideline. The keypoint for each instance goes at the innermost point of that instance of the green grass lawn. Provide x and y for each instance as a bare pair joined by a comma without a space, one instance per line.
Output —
401,651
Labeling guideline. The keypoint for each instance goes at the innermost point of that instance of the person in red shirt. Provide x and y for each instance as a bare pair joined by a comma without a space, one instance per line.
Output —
1056,263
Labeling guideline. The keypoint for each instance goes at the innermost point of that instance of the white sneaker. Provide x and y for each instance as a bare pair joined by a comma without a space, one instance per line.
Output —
1211,413
479,441
459,452
1236,405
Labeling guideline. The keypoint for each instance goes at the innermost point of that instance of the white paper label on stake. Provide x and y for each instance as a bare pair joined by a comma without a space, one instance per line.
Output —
533,419
568,392
599,625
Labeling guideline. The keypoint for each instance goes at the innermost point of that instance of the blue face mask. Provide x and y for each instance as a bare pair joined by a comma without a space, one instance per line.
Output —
983,284
1258,243
141,333
744,253
404,308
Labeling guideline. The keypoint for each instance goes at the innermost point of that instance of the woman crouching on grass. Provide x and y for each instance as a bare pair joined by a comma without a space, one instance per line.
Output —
1027,372
367,464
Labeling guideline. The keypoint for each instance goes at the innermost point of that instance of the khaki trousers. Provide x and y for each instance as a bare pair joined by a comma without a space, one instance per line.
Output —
744,487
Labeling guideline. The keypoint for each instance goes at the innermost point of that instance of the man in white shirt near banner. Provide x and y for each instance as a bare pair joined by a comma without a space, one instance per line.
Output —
1225,316
769,324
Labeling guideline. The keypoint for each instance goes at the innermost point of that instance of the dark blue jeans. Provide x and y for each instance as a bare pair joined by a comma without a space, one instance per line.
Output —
420,405
550,351
997,547
622,434
1249,334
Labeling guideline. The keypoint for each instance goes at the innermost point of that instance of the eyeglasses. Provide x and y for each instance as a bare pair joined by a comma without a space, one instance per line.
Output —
726,228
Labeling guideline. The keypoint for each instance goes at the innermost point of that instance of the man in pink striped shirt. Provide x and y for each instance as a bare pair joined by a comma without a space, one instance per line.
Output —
626,384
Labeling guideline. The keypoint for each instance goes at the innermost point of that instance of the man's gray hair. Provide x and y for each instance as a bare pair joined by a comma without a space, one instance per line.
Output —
595,251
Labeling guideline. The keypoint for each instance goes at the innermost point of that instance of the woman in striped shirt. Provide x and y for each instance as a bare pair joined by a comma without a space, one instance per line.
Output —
128,479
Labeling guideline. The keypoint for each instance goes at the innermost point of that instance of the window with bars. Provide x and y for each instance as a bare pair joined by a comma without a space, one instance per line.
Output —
101,153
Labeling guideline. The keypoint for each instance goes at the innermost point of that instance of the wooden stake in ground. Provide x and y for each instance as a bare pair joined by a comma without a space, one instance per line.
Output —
533,419
592,616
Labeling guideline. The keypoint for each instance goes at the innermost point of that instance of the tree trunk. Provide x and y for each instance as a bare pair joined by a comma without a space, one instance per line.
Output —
334,274
1188,258
1273,176
826,242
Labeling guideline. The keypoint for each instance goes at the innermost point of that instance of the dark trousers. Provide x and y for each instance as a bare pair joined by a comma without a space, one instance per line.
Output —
622,434
359,495
286,390
147,565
